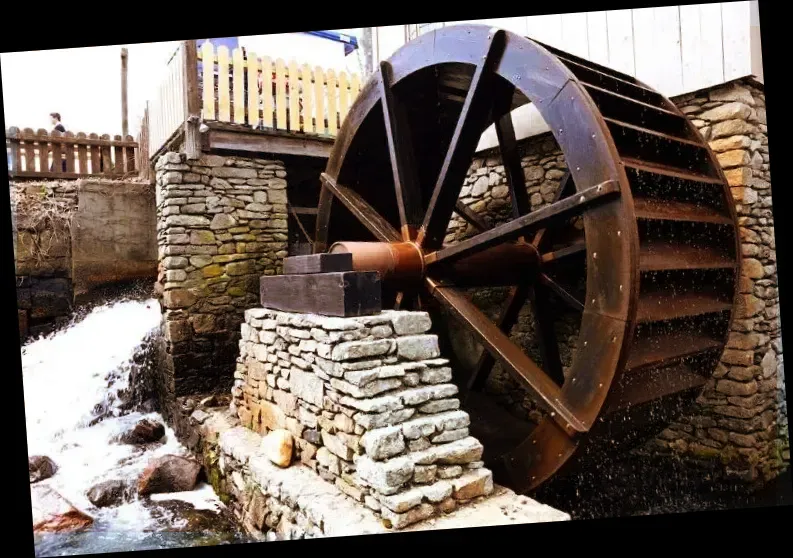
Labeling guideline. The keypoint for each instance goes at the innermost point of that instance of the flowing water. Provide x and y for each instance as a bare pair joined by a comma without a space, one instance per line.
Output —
77,385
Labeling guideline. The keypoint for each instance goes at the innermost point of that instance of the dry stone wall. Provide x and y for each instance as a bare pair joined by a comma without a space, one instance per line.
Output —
742,414
42,216
285,503
221,224
370,404
741,417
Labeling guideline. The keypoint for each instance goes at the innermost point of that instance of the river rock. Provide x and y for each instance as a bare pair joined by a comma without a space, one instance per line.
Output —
169,473
41,467
54,513
146,431
278,446
108,493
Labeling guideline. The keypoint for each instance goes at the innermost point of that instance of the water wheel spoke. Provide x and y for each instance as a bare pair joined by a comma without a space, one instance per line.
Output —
402,156
470,124
545,332
566,185
508,145
470,217
561,292
560,253
573,205
506,321
545,391
361,210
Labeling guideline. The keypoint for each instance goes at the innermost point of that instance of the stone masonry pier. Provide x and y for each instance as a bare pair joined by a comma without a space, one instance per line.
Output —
371,408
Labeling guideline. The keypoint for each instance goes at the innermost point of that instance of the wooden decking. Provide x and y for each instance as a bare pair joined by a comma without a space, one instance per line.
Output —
223,136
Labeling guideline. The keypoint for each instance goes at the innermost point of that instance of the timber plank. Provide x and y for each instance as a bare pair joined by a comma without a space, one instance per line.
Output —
343,294
317,263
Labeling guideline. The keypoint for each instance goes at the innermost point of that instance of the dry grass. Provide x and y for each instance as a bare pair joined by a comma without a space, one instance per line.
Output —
37,211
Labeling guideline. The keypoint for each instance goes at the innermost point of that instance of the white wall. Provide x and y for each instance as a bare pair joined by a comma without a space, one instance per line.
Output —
674,49
304,49
84,84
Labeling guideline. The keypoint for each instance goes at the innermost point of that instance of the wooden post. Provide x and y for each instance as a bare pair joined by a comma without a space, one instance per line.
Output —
15,155
192,136
124,113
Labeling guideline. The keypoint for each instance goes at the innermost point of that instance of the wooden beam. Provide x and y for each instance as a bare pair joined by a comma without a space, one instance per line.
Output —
305,210
345,294
267,143
318,263
124,109
192,136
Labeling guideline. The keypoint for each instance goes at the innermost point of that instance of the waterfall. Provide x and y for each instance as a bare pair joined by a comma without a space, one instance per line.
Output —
80,387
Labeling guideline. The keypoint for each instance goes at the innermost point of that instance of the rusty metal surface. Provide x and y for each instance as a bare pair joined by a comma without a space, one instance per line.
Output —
636,166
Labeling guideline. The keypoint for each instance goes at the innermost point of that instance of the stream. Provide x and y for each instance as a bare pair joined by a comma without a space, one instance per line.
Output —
80,395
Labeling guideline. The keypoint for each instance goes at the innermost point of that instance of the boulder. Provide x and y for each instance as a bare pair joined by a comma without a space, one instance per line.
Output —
169,473
277,446
41,467
146,431
54,513
107,493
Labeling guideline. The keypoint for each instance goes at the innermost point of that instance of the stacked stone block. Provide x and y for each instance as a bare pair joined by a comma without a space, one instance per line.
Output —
371,406
742,415
221,225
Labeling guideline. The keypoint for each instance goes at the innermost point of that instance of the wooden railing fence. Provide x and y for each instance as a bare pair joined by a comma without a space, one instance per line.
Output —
239,87
56,155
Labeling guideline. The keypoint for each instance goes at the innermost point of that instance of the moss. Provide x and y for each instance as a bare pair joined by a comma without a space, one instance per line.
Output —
214,475
705,452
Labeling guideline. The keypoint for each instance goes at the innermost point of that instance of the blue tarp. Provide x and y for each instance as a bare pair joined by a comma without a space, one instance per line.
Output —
230,42
350,42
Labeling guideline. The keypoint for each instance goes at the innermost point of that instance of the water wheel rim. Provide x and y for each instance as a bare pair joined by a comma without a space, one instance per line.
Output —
612,242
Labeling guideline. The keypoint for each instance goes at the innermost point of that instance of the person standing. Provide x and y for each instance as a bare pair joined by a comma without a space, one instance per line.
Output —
57,126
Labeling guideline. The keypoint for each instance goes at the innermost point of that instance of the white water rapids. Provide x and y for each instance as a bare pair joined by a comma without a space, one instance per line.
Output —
66,375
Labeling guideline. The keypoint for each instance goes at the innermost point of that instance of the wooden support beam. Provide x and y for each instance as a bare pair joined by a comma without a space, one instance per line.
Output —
318,263
192,136
124,109
343,294
260,142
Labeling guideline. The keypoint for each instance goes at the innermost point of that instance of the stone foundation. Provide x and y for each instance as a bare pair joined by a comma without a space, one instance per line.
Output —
295,503
370,404
741,417
221,224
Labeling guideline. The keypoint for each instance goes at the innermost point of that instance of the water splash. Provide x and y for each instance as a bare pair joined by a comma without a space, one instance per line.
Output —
77,389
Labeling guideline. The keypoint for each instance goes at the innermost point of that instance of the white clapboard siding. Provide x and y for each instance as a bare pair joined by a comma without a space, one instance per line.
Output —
597,37
674,49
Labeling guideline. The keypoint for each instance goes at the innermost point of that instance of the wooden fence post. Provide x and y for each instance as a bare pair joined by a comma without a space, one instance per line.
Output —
192,136
11,135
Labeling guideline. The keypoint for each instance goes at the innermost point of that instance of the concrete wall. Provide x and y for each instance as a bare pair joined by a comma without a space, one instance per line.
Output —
114,237
71,237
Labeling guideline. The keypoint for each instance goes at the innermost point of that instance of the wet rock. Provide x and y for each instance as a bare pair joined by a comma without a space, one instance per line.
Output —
278,446
41,467
170,473
54,513
108,493
145,432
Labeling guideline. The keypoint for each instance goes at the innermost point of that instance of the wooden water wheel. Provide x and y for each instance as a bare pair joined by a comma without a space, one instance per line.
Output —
644,217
